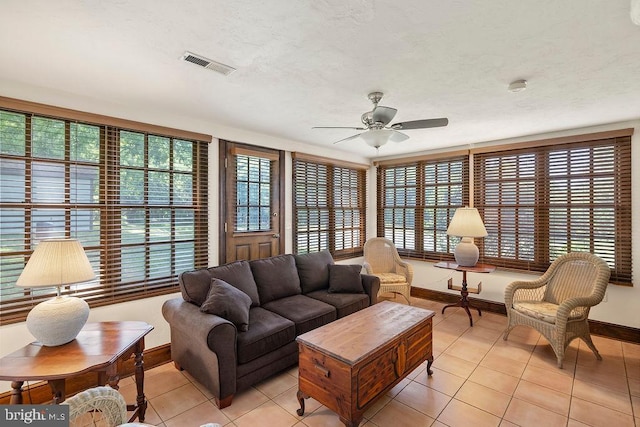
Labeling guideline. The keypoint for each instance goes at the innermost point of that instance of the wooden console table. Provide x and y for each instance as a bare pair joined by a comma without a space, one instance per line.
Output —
464,290
99,347
348,364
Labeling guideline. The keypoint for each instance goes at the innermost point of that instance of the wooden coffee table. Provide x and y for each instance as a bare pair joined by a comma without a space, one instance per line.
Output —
347,364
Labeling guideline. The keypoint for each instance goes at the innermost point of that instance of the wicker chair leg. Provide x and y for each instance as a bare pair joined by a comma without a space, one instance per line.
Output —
508,331
558,349
587,339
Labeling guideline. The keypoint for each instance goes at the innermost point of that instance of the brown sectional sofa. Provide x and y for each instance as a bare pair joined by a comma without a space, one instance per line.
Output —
281,297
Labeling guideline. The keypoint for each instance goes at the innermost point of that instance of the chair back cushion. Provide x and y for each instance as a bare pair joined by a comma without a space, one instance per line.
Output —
313,270
276,277
379,253
194,285
571,278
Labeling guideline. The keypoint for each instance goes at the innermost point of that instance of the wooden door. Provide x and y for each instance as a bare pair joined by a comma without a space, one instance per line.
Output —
251,202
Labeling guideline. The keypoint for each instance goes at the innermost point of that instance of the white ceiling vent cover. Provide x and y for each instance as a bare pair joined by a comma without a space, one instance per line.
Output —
208,63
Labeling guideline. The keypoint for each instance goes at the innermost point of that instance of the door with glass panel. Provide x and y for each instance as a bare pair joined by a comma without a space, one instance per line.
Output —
251,202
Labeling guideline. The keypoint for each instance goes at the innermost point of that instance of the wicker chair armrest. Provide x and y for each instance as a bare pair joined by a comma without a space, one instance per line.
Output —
516,291
105,399
565,309
406,270
367,267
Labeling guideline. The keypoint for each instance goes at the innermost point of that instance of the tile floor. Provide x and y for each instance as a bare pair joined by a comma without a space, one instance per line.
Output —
479,380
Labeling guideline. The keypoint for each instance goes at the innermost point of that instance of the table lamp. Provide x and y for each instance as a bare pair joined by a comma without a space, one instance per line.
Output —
466,223
57,262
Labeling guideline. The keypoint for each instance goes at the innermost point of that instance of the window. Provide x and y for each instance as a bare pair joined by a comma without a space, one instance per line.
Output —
136,200
417,200
541,202
328,206
253,194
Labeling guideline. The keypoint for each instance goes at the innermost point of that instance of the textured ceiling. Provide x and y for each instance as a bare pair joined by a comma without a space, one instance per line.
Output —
311,63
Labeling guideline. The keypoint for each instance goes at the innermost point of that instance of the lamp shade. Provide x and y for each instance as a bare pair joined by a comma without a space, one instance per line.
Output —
56,262
466,222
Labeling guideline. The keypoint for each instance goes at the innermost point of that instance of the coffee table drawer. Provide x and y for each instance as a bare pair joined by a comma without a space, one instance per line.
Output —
374,377
325,378
419,345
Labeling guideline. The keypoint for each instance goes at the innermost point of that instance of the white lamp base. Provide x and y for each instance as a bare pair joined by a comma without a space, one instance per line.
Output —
466,253
57,321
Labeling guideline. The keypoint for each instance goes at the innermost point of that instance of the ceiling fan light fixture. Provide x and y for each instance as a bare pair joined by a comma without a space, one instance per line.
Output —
517,86
376,138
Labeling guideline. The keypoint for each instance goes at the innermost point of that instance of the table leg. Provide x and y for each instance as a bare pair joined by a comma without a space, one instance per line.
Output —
141,401
301,397
429,363
16,392
57,390
464,301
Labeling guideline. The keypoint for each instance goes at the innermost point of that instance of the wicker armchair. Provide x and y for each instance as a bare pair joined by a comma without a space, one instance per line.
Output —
381,259
104,406
557,304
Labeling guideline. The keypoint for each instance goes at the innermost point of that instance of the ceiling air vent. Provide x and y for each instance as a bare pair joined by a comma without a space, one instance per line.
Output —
208,63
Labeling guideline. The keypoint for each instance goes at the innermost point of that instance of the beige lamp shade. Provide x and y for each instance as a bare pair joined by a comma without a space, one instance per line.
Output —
57,262
466,223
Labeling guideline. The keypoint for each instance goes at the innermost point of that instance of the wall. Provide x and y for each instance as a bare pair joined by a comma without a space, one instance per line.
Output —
622,307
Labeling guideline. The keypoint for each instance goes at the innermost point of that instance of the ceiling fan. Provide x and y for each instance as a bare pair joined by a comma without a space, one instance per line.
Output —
378,131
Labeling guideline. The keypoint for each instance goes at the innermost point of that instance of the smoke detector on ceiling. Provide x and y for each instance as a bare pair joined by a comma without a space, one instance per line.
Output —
517,86
209,64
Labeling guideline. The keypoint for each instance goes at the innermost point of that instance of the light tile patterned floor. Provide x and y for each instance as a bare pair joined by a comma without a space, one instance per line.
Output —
479,380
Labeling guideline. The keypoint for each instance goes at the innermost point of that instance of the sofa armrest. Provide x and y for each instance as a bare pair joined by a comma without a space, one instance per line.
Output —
203,344
371,285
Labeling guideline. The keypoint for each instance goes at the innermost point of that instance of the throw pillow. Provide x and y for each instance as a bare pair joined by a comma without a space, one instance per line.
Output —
228,302
345,279
238,274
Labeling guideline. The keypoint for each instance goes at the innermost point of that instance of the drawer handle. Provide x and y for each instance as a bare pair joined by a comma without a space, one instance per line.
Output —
324,370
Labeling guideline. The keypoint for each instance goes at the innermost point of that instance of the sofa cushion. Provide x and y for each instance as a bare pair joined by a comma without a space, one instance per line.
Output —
345,279
229,303
276,277
313,270
345,304
307,313
194,286
267,333
239,275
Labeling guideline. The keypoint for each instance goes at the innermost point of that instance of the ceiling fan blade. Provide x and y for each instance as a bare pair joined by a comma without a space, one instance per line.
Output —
337,127
398,136
348,138
420,124
383,114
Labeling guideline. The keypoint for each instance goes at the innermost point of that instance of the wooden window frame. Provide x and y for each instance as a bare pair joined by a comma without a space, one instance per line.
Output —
109,264
424,184
334,203
539,257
